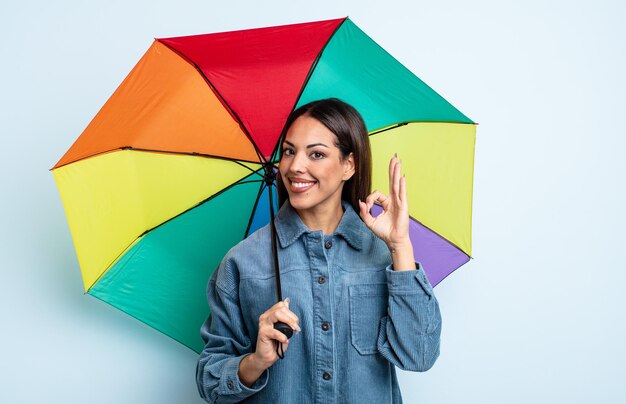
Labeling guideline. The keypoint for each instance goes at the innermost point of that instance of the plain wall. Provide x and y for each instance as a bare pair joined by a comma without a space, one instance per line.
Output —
538,314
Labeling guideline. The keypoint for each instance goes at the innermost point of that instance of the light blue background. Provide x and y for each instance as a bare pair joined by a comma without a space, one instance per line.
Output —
537,316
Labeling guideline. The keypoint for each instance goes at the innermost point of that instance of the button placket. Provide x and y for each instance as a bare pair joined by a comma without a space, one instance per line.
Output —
322,310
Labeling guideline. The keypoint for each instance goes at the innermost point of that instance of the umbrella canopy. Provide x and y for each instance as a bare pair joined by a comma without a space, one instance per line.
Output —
170,173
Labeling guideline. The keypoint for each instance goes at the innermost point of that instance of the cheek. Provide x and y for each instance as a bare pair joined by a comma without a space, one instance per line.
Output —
282,170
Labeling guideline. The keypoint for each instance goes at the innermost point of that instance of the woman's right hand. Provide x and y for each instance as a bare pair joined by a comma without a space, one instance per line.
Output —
265,354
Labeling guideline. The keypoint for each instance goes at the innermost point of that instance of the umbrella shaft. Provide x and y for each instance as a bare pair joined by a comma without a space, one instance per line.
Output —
279,294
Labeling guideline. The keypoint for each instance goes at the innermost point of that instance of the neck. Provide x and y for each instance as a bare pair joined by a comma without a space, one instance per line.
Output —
323,218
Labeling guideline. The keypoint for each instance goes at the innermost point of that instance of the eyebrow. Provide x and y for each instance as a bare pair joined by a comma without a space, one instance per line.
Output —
309,146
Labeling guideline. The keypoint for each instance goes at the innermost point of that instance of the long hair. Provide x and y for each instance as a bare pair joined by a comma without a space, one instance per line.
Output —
351,137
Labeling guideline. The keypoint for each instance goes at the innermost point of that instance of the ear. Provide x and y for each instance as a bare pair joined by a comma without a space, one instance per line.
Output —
348,165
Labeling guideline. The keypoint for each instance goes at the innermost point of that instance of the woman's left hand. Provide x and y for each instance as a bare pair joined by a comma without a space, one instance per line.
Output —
392,225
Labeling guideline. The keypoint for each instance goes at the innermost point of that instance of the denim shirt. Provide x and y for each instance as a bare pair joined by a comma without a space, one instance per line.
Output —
359,318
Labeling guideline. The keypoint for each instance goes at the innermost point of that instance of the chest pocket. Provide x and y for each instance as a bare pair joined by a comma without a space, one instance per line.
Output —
368,304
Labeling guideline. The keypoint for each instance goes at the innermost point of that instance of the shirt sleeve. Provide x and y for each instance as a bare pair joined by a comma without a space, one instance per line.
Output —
409,335
226,344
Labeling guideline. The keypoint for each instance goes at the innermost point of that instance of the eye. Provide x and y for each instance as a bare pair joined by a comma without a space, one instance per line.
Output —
317,155
287,151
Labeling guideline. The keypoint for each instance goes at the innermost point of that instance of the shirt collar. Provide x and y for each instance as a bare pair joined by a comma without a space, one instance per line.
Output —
290,227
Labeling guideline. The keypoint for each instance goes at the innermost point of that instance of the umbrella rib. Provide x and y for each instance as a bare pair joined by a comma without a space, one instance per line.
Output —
205,200
306,81
112,263
236,161
397,125
248,182
170,219
376,132
256,203
220,98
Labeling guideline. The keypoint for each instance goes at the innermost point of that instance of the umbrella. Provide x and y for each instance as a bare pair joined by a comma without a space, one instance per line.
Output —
174,169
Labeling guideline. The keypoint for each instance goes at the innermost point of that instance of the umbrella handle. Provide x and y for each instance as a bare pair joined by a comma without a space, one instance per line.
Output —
285,329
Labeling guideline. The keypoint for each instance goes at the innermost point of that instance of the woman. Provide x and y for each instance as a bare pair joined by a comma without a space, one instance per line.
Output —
358,303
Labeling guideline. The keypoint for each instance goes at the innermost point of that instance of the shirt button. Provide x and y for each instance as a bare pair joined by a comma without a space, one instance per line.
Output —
325,326
326,376
321,279
328,244
230,384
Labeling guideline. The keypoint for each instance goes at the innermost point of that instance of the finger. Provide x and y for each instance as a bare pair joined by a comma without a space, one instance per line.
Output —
282,305
284,317
384,201
265,317
378,197
278,305
268,334
403,198
289,312
396,182
280,337
368,219
272,334
392,165
372,197
294,323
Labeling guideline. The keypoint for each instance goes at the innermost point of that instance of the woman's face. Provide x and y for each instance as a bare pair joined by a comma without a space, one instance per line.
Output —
311,166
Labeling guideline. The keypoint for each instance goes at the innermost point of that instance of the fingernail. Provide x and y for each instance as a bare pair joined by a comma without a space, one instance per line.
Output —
298,328
287,301
395,155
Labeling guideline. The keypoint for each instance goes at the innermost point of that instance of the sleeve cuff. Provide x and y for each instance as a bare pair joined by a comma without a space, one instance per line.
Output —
230,384
405,281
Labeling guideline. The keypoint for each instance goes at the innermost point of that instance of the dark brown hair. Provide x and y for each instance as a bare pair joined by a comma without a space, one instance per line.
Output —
348,126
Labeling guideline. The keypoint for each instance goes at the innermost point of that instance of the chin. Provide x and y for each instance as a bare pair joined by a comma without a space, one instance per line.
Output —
299,204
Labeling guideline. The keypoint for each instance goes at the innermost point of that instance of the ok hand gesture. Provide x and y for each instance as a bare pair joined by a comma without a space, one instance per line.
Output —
392,225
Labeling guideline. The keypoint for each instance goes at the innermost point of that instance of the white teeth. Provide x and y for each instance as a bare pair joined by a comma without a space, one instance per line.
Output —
302,184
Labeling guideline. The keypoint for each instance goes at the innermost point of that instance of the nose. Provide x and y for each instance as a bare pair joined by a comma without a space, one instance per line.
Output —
298,163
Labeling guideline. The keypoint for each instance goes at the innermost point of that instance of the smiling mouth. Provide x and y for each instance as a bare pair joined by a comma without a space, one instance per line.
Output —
301,186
